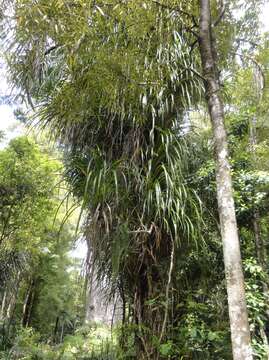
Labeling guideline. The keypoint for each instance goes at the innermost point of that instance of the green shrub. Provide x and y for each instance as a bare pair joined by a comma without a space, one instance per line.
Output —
89,343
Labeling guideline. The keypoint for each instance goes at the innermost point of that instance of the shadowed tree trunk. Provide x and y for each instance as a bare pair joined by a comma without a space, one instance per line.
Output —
55,331
12,303
28,304
258,239
240,333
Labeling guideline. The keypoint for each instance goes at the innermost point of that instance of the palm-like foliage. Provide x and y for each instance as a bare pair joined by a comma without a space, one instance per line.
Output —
114,89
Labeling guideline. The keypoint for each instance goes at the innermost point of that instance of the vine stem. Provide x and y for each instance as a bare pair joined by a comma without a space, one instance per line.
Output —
172,255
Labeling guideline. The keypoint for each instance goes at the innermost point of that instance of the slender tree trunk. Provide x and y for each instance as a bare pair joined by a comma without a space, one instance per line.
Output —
240,334
12,303
88,286
55,330
28,304
258,239
3,305
62,332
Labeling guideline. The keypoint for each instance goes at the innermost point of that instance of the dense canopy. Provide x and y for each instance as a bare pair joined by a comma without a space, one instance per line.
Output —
128,91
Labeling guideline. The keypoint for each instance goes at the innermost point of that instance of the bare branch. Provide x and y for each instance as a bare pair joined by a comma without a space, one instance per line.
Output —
49,50
197,74
247,41
221,14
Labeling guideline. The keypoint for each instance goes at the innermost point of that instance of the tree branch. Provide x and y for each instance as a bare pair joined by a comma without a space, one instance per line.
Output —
247,41
177,9
221,14
256,63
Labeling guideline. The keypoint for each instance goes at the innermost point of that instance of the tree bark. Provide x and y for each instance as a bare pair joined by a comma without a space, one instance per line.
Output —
3,305
28,304
12,303
240,334
55,330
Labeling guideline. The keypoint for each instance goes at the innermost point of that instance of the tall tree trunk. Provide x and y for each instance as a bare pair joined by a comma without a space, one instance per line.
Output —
258,239
88,284
240,334
28,304
56,330
12,303
3,305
